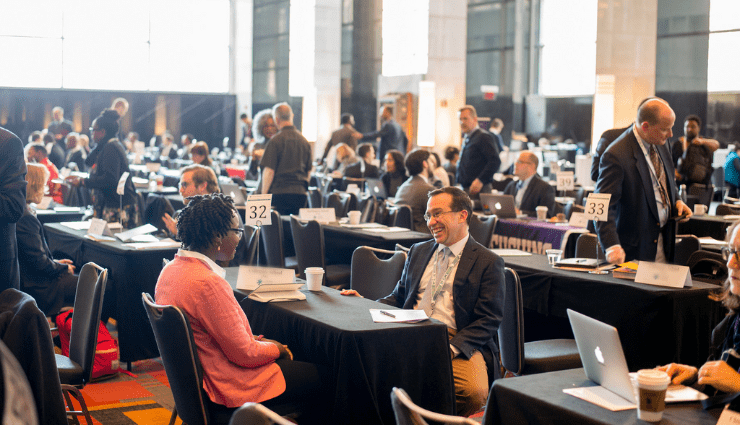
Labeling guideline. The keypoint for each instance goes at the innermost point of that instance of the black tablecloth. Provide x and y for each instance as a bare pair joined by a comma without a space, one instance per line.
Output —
539,399
705,225
657,325
130,272
366,359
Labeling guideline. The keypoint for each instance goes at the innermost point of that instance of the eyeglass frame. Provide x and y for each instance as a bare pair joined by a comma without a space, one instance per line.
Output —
239,232
436,215
728,252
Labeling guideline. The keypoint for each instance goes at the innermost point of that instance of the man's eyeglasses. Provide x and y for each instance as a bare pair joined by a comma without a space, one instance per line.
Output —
728,252
239,232
183,184
436,214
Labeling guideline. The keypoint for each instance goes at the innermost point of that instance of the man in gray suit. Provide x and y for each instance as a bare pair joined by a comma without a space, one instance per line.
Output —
391,134
413,192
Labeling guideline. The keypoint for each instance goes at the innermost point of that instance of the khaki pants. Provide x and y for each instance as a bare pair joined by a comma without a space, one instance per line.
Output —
471,382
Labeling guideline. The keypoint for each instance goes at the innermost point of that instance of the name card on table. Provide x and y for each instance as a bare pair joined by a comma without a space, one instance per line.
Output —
250,277
322,215
258,210
597,206
729,417
578,219
99,227
566,181
659,274
153,167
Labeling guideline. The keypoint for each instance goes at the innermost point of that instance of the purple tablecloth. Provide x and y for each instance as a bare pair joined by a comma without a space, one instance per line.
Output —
530,235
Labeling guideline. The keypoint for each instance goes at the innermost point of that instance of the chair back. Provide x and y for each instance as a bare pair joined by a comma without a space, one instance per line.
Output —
482,228
685,246
180,358
253,233
340,202
367,207
511,329
346,181
586,245
400,216
314,197
257,414
408,413
727,209
272,237
308,240
703,192
708,266
16,390
83,337
373,277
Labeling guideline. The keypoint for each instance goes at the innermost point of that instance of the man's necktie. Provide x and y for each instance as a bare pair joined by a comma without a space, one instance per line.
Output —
440,267
658,165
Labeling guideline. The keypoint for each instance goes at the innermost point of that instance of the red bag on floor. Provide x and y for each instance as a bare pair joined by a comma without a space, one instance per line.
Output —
106,352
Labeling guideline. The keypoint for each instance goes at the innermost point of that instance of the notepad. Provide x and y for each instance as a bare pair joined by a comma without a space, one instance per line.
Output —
401,316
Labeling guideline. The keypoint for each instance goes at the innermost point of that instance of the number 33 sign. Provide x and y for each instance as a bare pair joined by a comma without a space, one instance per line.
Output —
258,210
597,206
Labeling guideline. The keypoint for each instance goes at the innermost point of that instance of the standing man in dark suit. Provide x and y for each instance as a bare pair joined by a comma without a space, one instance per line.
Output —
364,167
530,191
12,205
606,139
638,173
479,157
460,283
391,134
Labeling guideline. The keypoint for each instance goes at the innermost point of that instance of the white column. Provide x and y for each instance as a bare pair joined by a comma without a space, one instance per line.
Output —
241,57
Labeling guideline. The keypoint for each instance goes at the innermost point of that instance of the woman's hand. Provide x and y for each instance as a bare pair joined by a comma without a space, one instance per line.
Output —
679,373
170,223
350,292
720,375
283,349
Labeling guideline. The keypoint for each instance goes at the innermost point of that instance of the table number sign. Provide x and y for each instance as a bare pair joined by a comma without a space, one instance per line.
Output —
597,206
258,210
566,180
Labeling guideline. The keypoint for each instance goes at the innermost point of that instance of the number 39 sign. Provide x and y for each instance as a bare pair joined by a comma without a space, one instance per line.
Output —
258,210
597,206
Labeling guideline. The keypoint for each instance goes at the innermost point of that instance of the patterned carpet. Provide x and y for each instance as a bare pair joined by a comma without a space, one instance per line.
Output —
144,398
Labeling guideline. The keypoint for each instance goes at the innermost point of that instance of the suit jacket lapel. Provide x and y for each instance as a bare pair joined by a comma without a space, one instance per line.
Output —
467,260
528,191
419,267
647,180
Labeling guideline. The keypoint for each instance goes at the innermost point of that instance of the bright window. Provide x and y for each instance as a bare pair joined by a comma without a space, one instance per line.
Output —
160,45
405,37
568,38
724,47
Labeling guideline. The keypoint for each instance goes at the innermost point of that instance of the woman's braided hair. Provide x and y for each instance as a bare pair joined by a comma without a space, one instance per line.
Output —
203,219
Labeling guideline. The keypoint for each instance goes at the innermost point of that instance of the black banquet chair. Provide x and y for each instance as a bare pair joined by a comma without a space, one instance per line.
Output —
75,371
372,277
520,358
408,413
308,240
257,414
272,239
482,228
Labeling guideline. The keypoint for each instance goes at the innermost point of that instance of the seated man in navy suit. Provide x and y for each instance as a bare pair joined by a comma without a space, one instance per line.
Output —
460,283
530,191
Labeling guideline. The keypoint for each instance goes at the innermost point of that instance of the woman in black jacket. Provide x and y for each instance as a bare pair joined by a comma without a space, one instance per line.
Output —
107,162
51,282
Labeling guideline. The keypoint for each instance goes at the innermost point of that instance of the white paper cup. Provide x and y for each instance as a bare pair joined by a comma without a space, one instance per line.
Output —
354,217
650,389
700,209
314,278
541,213
553,255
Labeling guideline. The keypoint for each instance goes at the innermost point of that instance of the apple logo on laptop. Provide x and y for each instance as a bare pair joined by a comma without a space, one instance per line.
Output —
599,356
498,205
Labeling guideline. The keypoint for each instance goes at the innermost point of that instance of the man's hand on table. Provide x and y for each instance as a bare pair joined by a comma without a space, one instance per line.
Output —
350,292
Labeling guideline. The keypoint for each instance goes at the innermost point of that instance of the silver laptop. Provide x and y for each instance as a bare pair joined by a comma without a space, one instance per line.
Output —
235,191
375,187
601,354
501,205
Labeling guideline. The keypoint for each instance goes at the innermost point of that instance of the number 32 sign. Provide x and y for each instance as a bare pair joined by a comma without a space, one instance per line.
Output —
258,210
597,206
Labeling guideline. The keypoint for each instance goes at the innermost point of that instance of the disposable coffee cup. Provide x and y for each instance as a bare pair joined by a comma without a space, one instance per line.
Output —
553,255
314,278
354,217
650,389
541,213
700,209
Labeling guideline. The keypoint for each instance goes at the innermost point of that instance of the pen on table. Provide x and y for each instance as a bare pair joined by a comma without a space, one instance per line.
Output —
388,314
